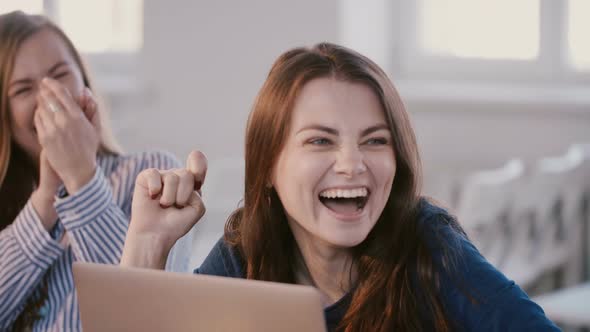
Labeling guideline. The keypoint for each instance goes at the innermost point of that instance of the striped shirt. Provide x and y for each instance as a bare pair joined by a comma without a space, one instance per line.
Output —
91,228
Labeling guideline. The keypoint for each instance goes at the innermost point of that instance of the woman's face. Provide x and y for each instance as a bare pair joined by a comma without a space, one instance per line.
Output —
335,171
44,54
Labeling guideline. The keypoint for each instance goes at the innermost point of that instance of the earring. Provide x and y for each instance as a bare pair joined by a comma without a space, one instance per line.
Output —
268,193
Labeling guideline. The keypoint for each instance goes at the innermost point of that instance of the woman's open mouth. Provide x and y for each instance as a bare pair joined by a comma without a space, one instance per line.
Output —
345,201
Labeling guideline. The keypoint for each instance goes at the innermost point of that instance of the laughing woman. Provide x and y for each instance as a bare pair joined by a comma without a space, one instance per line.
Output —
332,200
65,189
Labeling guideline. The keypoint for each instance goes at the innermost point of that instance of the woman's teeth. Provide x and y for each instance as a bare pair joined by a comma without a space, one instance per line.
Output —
345,200
344,193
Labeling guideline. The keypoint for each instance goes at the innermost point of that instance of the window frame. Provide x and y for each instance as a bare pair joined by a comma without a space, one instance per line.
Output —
386,30
551,65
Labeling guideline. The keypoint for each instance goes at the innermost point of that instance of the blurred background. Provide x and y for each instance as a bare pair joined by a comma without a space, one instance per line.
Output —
498,92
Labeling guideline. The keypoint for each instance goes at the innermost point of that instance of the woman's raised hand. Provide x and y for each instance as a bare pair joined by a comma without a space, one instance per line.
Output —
49,179
166,205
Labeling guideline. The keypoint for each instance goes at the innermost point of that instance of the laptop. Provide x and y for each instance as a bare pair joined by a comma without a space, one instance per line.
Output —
114,298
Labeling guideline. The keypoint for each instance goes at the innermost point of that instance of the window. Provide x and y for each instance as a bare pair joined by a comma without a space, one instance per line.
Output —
95,27
499,29
543,42
102,26
28,6
109,33
577,32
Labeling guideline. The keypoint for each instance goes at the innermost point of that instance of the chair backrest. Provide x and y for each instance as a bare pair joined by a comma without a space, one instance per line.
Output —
484,206
486,194
582,181
577,212
545,220
564,176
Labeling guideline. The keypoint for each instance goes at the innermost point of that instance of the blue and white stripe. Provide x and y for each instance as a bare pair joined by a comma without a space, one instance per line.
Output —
91,228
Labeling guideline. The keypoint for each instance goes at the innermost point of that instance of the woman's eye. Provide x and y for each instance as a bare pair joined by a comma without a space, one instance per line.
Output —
21,92
377,141
60,75
320,141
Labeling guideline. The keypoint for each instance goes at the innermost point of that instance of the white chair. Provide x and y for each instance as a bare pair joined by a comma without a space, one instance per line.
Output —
568,306
484,205
563,224
583,185
545,223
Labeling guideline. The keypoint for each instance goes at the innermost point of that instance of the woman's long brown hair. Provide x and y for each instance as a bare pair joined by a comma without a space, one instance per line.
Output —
397,285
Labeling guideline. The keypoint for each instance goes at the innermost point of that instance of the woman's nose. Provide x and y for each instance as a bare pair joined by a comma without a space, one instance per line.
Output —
350,162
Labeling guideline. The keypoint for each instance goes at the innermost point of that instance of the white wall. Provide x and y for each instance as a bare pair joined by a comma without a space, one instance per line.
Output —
202,66
204,61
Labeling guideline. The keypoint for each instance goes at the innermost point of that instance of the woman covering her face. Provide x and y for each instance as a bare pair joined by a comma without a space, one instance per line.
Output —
332,200
65,187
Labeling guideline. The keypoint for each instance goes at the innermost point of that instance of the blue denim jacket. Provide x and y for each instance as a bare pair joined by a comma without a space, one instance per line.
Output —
500,304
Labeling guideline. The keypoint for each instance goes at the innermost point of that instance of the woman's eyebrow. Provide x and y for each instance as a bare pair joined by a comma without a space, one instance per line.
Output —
333,131
375,128
20,81
56,66
320,128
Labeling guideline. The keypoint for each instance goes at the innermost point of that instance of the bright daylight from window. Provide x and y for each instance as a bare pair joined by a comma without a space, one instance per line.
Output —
499,29
94,26
578,31
28,6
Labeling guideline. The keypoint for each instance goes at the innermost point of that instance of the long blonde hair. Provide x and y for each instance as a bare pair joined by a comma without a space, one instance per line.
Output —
18,173
15,28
